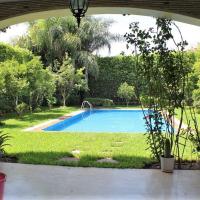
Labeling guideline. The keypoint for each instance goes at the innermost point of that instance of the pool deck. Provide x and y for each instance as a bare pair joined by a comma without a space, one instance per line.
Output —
41,182
48,123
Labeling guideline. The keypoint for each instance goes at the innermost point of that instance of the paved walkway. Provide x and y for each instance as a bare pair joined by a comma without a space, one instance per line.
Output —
27,182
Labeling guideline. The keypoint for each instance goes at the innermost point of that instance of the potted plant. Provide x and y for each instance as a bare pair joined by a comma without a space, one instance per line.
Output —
167,160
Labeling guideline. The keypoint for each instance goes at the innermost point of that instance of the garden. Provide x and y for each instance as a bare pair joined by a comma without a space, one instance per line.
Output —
49,72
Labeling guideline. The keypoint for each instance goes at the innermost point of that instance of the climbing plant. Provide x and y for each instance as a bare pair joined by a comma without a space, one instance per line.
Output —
164,72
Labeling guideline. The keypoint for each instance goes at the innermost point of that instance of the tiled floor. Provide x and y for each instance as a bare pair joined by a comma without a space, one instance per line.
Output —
27,182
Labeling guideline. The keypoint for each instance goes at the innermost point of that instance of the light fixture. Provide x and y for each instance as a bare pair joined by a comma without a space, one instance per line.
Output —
78,8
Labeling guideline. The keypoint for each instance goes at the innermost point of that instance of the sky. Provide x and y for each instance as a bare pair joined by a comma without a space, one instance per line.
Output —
121,23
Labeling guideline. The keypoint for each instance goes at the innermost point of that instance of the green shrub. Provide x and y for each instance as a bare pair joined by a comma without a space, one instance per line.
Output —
126,92
21,108
3,142
196,98
38,109
100,101
108,102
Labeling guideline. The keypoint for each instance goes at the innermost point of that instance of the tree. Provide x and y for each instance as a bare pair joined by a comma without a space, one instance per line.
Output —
94,35
81,85
165,72
126,92
23,80
53,38
15,85
42,83
70,80
65,79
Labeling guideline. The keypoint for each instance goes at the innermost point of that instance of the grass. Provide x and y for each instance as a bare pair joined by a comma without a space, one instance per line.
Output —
49,147
178,113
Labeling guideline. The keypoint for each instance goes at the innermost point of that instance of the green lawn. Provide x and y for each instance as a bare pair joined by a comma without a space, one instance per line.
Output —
178,113
49,147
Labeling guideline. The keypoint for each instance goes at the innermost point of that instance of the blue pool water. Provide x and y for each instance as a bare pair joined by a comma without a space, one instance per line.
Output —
103,121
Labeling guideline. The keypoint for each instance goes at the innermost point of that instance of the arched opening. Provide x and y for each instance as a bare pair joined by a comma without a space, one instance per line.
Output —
13,12
50,149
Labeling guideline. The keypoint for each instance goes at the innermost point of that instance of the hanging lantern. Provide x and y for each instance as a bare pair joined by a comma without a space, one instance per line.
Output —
78,8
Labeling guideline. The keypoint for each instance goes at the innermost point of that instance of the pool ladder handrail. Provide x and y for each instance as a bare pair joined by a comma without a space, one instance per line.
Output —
83,106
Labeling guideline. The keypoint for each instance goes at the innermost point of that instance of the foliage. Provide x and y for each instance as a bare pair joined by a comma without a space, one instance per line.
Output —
8,52
41,83
54,37
126,92
80,82
4,138
38,109
65,80
69,79
24,80
196,98
194,132
164,72
113,71
100,101
21,108
14,85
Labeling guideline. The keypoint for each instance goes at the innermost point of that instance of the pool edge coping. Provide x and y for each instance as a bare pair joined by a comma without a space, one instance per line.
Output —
40,127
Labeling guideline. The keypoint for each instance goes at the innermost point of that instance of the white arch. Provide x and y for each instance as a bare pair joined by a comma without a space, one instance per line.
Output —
103,10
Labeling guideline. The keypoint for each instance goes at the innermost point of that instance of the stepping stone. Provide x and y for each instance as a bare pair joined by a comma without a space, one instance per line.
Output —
76,151
119,142
107,151
107,160
69,159
64,117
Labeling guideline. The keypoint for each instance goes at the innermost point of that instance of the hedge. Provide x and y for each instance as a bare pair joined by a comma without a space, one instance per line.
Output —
100,101
112,72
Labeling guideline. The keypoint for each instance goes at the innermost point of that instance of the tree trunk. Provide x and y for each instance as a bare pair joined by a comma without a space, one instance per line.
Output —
30,102
64,101
86,75
16,101
81,96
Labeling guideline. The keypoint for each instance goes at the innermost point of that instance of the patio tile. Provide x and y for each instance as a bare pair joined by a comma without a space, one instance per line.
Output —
40,182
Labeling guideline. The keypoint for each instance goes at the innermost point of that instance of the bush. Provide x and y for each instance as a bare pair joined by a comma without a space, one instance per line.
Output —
38,109
100,101
3,143
196,98
197,110
21,108
126,92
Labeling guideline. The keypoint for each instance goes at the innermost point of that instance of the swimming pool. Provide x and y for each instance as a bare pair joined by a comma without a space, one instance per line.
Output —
129,121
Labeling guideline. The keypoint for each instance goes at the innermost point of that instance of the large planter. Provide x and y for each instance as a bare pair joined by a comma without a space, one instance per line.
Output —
167,164
2,183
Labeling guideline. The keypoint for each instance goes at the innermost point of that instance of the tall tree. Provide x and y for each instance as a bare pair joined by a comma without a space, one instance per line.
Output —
69,80
54,37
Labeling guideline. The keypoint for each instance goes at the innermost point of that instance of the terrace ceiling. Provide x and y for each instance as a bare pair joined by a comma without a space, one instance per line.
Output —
15,11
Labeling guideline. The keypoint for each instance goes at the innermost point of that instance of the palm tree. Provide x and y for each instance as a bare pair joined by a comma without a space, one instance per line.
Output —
55,37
